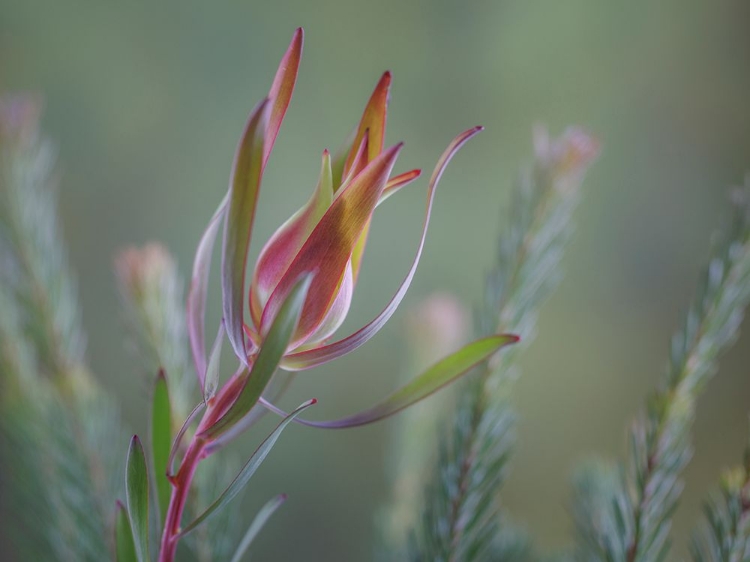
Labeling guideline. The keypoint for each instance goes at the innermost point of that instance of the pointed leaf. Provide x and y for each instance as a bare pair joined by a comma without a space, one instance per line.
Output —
271,351
245,186
282,89
395,184
440,374
196,301
326,252
161,441
258,522
124,546
278,98
213,368
372,122
318,356
248,470
137,495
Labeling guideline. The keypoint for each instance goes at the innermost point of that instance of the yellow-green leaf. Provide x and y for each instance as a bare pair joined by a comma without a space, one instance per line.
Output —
161,442
440,374
124,546
136,487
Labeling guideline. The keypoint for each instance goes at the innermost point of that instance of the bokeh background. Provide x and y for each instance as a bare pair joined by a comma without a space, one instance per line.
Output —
147,99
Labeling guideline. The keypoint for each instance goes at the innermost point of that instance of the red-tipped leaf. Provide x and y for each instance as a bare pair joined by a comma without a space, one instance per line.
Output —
326,252
318,356
373,122
282,89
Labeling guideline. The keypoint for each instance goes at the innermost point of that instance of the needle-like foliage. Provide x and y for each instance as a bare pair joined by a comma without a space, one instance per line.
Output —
635,511
725,536
57,424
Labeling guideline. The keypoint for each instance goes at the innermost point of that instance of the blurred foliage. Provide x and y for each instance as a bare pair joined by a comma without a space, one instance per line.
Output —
147,101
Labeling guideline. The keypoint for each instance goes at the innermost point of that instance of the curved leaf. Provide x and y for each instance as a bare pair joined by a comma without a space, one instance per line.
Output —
271,351
320,355
243,196
258,522
440,374
395,184
161,441
248,470
136,487
282,89
196,300
279,97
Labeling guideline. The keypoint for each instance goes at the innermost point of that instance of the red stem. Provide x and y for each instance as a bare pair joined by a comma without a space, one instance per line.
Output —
193,456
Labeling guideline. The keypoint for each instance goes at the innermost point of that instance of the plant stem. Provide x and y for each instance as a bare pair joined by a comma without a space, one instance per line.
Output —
195,453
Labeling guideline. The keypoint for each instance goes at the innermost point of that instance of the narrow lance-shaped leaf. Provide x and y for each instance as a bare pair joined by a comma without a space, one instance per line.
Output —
161,440
440,374
212,369
136,487
372,123
279,98
271,351
282,89
244,189
124,546
395,184
259,521
318,356
248,470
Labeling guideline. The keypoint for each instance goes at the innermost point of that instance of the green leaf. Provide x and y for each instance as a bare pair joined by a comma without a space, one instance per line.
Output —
271,351
161,442
244,188
124,546
248,470
212,371
258,522
136,486
440,374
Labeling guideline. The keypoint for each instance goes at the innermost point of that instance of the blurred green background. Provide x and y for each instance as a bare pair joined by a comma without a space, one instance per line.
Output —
147,99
